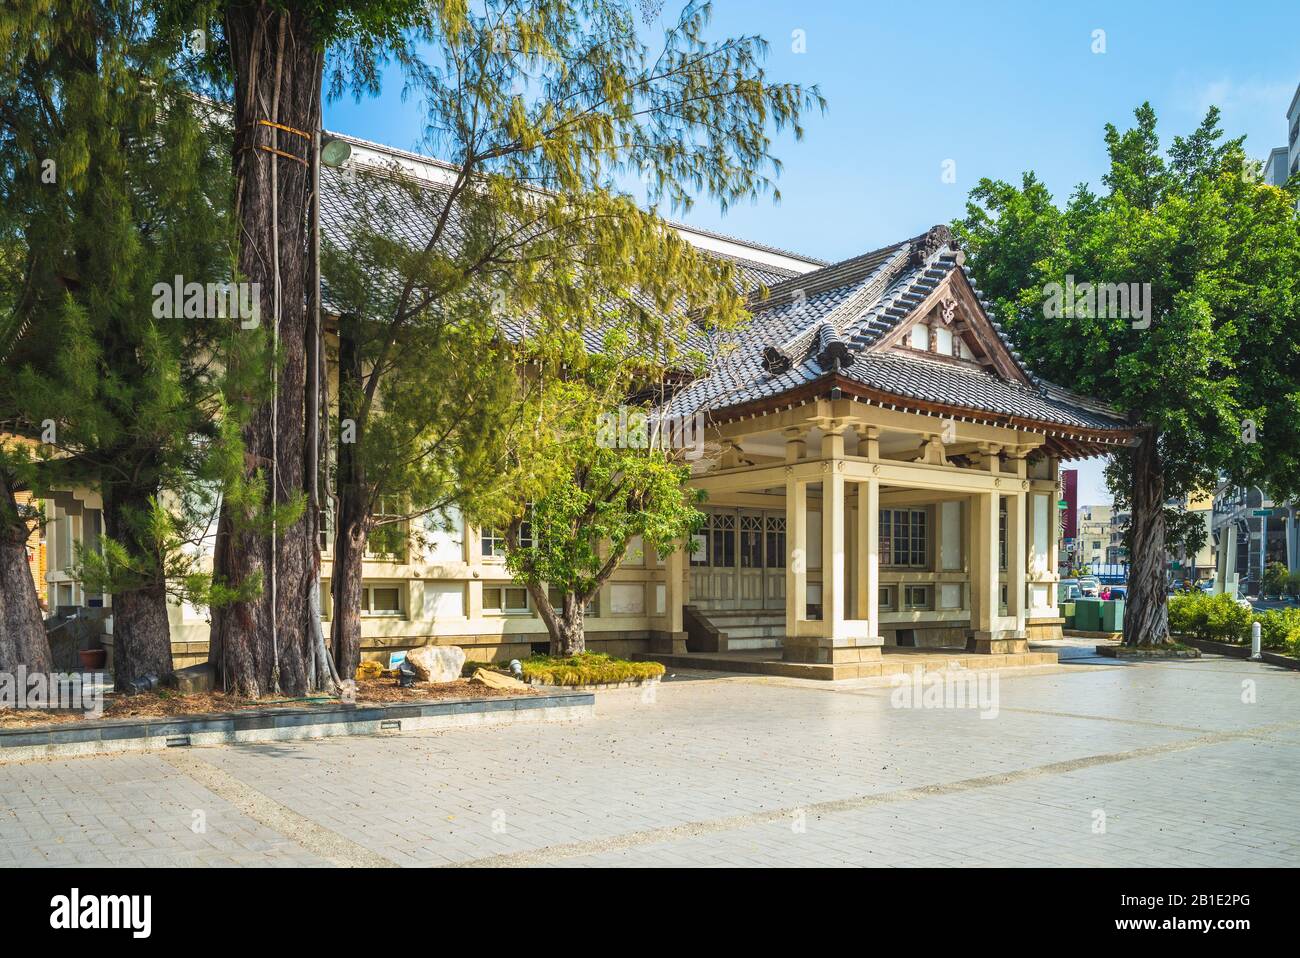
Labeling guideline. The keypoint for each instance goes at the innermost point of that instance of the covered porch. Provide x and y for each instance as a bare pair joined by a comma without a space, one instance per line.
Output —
837,529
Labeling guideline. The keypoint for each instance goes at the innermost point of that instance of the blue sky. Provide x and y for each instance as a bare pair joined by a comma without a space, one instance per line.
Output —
995,87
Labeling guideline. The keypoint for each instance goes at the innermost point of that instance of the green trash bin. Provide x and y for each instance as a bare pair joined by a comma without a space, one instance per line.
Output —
1112,616
1067,613
1087,615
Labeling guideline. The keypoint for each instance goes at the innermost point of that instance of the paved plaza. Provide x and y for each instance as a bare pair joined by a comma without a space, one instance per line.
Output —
1193,763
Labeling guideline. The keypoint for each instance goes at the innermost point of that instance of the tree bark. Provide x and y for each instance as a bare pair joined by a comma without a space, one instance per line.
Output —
349,559
352,525
1146,614
265,645
142,644
572,636
22,628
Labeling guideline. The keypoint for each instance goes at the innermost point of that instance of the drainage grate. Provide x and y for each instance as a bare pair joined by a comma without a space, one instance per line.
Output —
178,741
390,725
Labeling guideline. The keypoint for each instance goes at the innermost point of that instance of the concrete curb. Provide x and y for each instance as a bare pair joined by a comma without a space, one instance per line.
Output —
112,736
1239,652
1124,652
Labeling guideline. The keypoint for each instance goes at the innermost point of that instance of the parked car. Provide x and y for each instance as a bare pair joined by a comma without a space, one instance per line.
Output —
1119,592
1067,590
1090,586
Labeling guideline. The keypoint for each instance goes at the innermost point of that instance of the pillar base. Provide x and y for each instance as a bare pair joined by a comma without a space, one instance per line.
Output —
668,643
819,650
1006,642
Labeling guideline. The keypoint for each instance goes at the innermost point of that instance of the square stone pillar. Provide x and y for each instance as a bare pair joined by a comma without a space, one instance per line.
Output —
796,560
672,640
1053,542
1017,558
868,548
988,626
834,560
836,639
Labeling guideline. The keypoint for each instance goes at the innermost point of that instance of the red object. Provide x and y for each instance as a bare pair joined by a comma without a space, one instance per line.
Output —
92,659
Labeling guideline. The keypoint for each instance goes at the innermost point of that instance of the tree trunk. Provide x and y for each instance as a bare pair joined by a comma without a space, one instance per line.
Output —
352,523
265,645
1146,615
22,628
570,637
349,557
142,644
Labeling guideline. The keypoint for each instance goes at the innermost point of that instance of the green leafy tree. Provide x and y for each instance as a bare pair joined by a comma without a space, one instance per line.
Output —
540,108
1276,578
113,186
1204,358
613,479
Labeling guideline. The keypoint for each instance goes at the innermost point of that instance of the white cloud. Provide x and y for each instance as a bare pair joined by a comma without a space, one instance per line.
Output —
1255,107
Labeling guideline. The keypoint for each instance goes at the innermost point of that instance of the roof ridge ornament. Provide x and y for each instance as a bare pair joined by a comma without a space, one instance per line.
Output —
929,243
776,360
833,353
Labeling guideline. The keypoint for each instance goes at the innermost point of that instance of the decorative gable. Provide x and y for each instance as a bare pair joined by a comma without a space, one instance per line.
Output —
949,325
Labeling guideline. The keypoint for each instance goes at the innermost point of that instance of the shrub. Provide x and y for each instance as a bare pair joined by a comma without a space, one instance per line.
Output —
1279,628
590,668
1226,621
1186,612
1276,579
1215,617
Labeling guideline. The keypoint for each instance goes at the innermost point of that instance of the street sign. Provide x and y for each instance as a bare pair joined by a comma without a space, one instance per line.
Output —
1261,512
1062,504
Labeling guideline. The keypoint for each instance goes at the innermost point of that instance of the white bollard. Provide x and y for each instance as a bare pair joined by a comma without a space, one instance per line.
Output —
1254,641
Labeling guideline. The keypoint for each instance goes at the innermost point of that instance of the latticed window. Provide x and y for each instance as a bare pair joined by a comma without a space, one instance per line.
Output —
751,542
776,542
722,527
904,537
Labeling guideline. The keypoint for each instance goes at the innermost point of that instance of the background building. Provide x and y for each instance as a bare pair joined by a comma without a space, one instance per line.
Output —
1250,531
1283,162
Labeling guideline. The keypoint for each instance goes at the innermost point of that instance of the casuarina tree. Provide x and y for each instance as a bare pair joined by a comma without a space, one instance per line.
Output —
540,109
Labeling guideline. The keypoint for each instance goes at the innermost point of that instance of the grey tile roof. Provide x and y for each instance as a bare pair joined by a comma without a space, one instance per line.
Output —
806,324
344,207
813,324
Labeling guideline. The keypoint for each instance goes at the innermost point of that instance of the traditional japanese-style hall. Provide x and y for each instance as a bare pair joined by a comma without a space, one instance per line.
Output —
888,470
881,470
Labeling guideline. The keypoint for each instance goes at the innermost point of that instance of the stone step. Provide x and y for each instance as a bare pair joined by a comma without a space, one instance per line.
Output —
760,642
723,620
753,631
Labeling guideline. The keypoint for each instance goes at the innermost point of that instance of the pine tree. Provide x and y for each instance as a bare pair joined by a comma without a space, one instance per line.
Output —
115,199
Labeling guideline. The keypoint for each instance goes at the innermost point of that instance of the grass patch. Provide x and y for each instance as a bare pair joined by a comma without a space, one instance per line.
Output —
590,668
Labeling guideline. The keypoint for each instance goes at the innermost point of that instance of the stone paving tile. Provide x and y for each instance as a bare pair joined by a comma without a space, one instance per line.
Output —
125,810
714,759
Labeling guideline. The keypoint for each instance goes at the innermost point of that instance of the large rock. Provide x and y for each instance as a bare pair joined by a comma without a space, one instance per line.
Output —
436,663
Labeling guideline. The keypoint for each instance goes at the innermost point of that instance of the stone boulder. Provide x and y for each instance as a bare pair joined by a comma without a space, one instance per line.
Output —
436,663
